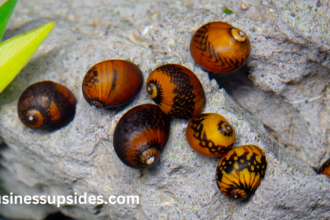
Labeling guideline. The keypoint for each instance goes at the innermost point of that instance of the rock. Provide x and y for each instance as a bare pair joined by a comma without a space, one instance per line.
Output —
80,158
290,63
10,184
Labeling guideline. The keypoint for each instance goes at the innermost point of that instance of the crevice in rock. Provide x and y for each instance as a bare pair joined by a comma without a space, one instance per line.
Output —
287,120
57,216
98,209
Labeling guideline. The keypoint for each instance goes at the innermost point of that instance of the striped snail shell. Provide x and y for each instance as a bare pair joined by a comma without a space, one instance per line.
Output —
112,83
141,135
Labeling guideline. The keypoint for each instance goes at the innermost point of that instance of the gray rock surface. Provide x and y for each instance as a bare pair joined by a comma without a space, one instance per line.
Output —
289,64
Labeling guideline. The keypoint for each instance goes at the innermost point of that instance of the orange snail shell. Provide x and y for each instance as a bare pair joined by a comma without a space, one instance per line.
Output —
112,83
176,90
218,47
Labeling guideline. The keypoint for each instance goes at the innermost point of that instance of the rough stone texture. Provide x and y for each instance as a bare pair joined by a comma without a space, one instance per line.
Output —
290,65
288,92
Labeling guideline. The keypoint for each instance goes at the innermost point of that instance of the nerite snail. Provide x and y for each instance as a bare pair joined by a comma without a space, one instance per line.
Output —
176,90
218,47
46,104
210,134
141,135
112,83
240,171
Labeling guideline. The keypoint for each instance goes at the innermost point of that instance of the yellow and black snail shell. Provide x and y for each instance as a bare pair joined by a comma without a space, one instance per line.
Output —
46,104
176,90
112,83
210,134
240,171
141,135
220,48
325,168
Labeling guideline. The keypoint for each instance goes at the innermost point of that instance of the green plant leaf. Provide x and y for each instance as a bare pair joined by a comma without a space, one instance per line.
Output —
227,11
6,10
16,51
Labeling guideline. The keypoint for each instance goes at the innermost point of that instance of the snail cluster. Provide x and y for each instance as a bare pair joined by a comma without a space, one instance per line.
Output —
241,169
142,132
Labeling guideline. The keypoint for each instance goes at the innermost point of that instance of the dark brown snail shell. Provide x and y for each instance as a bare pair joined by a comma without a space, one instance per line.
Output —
112,83
46,104
177,91
218,47
141,135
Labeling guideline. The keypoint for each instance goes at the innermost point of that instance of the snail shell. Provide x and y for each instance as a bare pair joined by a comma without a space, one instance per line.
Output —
176,90
325,168
141,135
240,171
112,83
46,104
218,47
210,135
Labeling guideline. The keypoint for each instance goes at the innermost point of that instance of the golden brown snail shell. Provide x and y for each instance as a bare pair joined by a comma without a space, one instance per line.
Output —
210,134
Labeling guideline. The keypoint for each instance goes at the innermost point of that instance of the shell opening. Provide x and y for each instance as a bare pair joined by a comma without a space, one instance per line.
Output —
238,34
